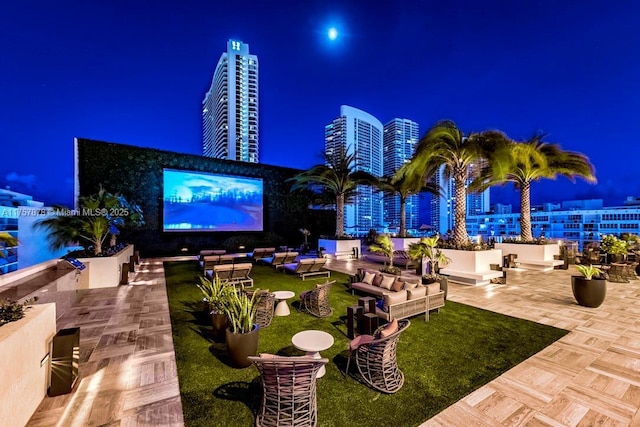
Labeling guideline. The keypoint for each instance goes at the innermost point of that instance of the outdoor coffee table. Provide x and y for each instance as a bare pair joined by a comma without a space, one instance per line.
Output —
313,342
282,308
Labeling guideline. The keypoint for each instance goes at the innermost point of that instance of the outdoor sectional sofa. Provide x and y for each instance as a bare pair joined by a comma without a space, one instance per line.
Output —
402,297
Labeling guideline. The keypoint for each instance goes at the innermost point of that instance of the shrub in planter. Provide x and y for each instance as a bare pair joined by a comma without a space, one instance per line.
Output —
242,333
11,311
590,288
216,295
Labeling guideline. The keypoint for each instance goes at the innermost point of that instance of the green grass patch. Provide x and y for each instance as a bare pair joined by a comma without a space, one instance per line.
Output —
458,350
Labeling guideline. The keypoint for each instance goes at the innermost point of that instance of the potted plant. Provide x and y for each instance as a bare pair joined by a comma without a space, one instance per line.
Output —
242,333
216,295
616,248
427,249
590,288
384,245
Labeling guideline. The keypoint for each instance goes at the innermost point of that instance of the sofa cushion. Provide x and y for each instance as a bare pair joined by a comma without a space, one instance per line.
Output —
397,285
391,298
417,292
377,280
433,288
387,282
410,285
368,278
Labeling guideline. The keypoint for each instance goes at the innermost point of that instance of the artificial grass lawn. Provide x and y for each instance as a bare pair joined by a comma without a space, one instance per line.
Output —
458,350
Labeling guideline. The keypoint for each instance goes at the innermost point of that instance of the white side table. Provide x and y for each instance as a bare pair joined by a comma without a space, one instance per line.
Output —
313,342
282,308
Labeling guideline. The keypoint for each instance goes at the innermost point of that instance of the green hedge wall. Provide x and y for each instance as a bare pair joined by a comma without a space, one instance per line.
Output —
136,173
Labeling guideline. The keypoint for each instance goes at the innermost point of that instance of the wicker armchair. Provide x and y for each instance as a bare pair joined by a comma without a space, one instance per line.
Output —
316,301
266,307
288,390
376,359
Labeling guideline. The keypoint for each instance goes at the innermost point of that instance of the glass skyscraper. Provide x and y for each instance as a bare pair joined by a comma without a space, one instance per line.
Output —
230,107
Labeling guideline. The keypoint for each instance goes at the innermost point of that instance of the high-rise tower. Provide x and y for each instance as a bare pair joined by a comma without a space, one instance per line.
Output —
399,143
230,107
359,132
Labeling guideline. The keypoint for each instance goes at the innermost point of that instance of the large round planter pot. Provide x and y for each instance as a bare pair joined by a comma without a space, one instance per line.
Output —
241,346
220,323
589,293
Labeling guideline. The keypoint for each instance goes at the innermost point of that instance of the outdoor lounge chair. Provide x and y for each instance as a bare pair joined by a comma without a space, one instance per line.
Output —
376,358
288,390
316,301
308,267
275,260
234,274
260,253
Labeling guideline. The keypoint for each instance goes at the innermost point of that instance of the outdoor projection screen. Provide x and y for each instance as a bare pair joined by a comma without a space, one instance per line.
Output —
198,201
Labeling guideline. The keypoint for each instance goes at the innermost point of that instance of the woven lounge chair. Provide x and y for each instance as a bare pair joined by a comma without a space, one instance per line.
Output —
316,301
376,359
266,307
288,390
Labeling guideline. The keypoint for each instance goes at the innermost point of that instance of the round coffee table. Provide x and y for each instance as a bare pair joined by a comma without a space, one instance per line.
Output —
313,342
282,308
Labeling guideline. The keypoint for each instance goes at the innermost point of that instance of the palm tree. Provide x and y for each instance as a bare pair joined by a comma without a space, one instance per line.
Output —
445,144
522,163
337,177
98,216
6,240
405,185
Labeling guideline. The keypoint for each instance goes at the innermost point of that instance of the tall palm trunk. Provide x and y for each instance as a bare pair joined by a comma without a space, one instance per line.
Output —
525,212
460,235
340,215
403,219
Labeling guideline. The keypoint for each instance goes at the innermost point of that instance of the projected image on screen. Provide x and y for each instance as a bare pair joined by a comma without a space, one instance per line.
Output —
196,201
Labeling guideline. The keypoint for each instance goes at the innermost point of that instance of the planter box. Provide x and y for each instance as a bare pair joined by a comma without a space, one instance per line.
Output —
104,272
23,345
472,267
533,257
340,249
402,243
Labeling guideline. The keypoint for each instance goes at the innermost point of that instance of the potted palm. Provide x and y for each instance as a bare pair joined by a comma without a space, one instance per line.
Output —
216,295
242,333
426,249
384,245
590,288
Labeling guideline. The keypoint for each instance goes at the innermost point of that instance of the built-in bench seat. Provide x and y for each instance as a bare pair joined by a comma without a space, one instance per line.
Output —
471,278
539,264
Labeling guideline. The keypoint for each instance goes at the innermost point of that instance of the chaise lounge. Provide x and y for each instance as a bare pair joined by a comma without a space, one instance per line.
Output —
308,267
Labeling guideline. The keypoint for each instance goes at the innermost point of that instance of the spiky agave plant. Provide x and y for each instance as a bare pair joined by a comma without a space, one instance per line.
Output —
241,311
588,271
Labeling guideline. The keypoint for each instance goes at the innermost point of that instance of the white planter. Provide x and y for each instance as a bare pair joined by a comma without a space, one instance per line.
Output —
104,272
23,345
531,256
402,243
340,249
472,267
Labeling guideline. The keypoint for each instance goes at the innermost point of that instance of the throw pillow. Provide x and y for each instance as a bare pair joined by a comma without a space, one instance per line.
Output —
433,288
387,282
368,278
380,304
377,280
391,298
397,285
360,340
410,285
417,292
391,328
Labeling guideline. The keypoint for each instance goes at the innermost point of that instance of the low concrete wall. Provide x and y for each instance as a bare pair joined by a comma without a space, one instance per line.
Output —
472,261
333,247
104,272
530,252
402,243
23,345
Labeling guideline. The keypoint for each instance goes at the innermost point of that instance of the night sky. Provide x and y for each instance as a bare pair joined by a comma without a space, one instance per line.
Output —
135,72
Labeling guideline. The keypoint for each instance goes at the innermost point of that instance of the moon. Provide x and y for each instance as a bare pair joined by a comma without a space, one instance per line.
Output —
332,33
